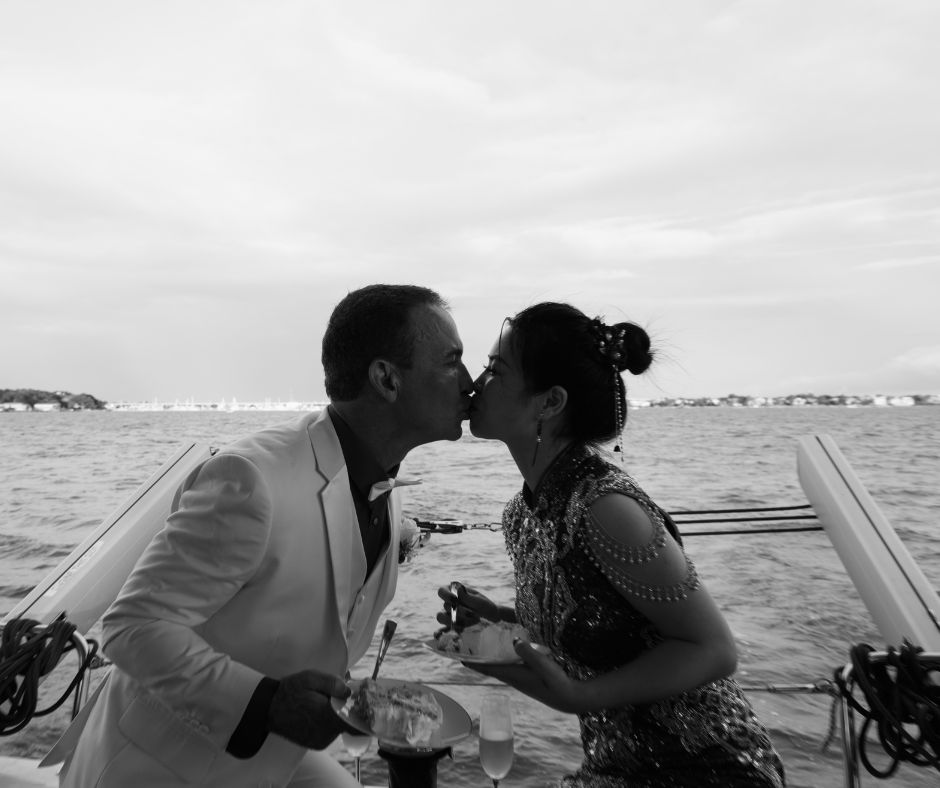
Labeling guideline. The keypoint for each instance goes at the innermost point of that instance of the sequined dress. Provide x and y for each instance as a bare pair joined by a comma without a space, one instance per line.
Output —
567,576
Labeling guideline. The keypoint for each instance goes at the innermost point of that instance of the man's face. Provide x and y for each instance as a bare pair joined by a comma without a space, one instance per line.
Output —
435,392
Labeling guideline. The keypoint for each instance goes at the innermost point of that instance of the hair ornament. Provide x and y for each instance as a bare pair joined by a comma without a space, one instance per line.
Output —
609,343
610,346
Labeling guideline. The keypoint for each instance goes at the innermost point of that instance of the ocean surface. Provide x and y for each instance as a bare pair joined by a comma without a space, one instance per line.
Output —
792,608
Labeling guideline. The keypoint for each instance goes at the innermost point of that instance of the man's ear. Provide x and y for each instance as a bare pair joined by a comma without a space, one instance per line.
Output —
554,402
384,379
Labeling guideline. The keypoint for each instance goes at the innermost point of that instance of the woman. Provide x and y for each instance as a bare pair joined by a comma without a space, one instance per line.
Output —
638,648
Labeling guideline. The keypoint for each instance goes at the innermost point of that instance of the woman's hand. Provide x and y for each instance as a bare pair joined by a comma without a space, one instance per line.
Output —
469,604
540,677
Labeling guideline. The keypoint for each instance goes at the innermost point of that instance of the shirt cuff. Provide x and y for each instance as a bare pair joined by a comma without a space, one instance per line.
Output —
252,729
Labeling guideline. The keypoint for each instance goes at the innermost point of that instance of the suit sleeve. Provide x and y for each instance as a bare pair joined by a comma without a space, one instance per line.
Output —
252,729
212,544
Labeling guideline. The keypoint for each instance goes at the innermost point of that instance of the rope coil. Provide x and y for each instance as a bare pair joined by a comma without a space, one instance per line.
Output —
28,652
903,704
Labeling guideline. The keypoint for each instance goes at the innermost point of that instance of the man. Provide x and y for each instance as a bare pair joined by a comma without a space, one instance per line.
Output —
239,622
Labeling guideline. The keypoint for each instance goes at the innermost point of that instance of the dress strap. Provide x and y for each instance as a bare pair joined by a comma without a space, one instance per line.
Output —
656,571
602,542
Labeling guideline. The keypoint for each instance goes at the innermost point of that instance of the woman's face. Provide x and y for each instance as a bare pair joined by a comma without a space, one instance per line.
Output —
502,409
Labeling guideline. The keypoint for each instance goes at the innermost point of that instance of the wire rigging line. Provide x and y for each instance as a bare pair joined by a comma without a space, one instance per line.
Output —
754,509
681,521
748,531
452,526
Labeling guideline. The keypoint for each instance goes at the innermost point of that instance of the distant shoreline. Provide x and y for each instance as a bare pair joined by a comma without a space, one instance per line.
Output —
63,401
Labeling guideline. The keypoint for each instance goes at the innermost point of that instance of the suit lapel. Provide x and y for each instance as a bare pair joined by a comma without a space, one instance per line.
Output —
347,558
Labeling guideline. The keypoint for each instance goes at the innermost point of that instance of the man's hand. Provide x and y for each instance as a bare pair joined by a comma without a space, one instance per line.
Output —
301,712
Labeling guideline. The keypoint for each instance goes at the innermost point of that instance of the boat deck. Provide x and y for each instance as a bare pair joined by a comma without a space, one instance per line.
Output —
25,773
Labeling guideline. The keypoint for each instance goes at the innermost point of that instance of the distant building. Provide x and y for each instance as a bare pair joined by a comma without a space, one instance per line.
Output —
901,402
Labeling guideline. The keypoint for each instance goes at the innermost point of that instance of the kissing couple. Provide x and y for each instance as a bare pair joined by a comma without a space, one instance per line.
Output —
240,622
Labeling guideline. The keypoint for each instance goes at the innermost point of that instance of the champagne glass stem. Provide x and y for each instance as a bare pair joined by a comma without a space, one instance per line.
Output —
358,776
495,783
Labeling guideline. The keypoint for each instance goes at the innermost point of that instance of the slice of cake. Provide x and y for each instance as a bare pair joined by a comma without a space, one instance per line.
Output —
398,713
486,640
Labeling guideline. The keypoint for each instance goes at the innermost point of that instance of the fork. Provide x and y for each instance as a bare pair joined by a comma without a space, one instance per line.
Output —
387,633
454,588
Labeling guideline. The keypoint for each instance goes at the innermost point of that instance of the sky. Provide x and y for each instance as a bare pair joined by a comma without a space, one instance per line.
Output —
188,188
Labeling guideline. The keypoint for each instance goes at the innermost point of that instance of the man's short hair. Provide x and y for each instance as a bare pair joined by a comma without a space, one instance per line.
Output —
369,323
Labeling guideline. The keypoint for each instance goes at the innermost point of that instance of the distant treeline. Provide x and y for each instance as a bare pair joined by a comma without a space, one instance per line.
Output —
34,399
790,400
61,400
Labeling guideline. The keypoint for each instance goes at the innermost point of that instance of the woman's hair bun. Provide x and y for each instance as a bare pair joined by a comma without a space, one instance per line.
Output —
624,345
636,356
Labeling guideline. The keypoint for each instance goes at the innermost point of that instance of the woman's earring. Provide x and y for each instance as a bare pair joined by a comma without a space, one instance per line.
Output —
538,436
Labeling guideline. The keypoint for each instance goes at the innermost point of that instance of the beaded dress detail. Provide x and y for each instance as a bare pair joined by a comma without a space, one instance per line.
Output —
573,584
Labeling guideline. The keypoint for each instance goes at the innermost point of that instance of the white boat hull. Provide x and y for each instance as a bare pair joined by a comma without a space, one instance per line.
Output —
900,599
88,580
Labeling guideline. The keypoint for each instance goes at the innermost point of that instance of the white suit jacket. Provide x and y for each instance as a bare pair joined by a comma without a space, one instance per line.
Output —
259,571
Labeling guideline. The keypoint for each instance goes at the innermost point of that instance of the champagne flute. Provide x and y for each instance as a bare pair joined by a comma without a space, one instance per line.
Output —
356,746
496,743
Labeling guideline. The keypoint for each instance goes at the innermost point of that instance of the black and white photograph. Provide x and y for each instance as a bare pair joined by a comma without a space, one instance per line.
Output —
435,395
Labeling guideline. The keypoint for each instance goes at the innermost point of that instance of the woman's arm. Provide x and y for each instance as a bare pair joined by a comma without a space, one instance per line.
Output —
647,567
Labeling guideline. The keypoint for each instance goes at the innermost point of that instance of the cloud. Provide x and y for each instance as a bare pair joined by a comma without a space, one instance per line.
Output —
900,262
726,168
390,76
612,242
919,359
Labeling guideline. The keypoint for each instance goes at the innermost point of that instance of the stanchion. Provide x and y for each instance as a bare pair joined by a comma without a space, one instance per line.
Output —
412,768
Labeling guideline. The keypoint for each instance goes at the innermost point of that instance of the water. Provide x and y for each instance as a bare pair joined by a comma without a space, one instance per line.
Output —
793,610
